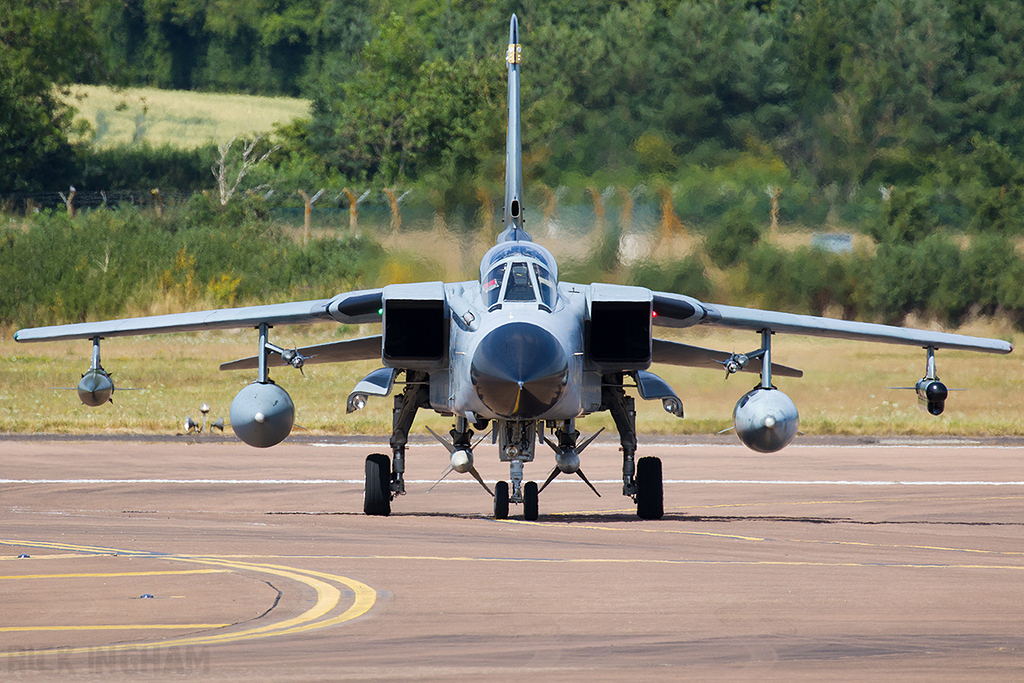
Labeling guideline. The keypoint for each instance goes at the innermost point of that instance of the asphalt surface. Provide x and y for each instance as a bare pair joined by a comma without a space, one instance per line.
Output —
851,559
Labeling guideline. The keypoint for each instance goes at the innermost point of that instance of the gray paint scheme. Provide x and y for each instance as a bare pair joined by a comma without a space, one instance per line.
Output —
517,355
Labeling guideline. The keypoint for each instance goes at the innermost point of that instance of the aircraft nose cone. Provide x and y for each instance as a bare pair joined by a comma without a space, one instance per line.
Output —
519,370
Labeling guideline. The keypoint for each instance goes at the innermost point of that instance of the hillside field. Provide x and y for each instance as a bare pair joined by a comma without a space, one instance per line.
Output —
179,118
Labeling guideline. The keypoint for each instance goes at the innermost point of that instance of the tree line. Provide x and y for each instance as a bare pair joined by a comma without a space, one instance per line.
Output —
844,94
898,118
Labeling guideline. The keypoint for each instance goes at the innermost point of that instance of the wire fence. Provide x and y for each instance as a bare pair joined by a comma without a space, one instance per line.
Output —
90,199
375,213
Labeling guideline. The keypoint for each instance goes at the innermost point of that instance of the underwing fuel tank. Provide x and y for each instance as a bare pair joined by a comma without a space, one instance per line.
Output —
931,393
96,388
766,420
262,414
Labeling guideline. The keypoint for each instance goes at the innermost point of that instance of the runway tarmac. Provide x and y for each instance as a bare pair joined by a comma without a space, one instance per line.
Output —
133,559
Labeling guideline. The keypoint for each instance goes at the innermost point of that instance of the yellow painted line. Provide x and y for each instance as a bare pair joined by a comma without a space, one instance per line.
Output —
739,537
930,499
684,508
627,561
783,563
556,560
55,556
110,627
96,550
328,597
365,597
105,575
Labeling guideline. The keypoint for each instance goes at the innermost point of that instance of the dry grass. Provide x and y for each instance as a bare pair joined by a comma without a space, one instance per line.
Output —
178,118
843,390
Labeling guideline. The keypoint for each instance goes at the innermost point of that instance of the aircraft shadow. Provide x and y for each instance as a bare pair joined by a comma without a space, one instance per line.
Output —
592,518
631,518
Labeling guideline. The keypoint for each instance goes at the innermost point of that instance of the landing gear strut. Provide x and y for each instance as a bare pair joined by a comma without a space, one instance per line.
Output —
641,481
385,480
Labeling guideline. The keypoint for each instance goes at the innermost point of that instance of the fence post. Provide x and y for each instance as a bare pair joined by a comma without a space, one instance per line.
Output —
69,201
353,209
774,192
670,222
396,217
307,216
158,201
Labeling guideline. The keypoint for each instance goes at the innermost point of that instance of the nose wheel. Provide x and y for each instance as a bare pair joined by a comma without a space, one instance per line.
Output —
501,500
530,504
527,495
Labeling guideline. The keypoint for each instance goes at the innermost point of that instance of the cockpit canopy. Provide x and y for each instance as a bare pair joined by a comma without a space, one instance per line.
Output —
520,272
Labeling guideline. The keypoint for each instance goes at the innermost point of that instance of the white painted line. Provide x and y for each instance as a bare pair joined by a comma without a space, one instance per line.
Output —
885,443
840,482
379,445
180,481
306,482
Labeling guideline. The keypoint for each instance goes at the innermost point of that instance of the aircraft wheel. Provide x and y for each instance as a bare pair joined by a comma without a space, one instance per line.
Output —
377,491
530,503
501,500
649,491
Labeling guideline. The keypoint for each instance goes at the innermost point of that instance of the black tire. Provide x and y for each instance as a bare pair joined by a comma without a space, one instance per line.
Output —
650,501
377,491
531,506
501,500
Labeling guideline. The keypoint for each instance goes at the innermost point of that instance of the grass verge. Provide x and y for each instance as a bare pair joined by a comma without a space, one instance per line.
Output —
843,391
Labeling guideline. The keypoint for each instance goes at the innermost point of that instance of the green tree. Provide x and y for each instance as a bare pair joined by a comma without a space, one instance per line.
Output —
907,218
43,47
992,59
719,77
403,113
876,80
988,182
731,237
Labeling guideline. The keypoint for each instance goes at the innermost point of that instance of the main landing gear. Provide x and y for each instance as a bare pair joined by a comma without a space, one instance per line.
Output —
641,480
385,478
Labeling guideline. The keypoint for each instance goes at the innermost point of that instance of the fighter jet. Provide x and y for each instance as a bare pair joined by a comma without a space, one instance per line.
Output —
518,352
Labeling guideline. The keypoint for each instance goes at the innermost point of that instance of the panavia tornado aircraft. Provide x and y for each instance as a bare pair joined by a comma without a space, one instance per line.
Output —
518,352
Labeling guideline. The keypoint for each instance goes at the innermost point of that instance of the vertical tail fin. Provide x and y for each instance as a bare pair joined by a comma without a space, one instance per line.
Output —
513,145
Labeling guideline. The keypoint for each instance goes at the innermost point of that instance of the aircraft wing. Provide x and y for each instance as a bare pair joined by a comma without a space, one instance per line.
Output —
353,308
674,353
363,348
675,310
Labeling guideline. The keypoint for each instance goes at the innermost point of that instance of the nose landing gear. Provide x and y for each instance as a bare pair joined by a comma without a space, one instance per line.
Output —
521,493
516,442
